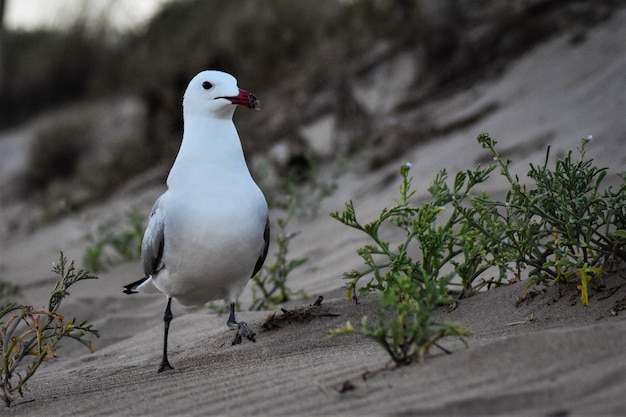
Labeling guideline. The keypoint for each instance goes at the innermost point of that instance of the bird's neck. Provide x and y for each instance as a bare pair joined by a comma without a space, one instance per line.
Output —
210,153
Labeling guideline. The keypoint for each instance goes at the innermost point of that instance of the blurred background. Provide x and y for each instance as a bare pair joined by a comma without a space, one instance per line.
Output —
90,91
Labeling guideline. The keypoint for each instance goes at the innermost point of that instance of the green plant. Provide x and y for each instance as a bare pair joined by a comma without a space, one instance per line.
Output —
305,193
565,226
113,247
27,332
562,227
271,280
442,238
412,289
405,326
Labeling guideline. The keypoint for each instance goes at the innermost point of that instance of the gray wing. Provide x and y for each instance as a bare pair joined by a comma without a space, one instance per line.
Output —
266,237
153,239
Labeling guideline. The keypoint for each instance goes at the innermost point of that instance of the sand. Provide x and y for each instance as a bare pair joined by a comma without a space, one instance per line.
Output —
545,355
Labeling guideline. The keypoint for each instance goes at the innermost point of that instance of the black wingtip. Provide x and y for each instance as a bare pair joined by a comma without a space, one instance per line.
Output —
132,287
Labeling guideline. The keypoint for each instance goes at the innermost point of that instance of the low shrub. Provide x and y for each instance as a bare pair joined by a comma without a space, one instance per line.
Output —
563,228
26,333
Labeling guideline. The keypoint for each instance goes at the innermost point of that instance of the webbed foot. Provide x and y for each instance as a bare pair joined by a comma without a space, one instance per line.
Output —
243,330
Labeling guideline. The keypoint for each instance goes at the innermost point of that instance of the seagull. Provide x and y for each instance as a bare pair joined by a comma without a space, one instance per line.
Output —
208,233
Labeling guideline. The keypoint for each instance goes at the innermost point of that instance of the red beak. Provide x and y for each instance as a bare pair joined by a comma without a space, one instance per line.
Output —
245,99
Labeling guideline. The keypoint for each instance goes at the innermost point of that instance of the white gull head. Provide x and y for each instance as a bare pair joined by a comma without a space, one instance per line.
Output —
213,93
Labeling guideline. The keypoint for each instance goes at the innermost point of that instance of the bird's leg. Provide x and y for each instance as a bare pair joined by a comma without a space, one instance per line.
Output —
167,318
232,323
242,327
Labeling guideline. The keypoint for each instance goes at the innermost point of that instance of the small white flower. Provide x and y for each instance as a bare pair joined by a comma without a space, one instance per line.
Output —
590,137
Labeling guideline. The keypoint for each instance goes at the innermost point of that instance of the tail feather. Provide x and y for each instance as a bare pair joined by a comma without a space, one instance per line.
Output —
132,287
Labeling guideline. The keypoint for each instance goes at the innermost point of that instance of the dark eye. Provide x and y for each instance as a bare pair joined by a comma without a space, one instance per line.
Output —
207,85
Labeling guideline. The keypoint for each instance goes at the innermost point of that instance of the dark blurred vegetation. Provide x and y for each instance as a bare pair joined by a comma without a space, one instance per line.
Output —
55,151
265,41
45,69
